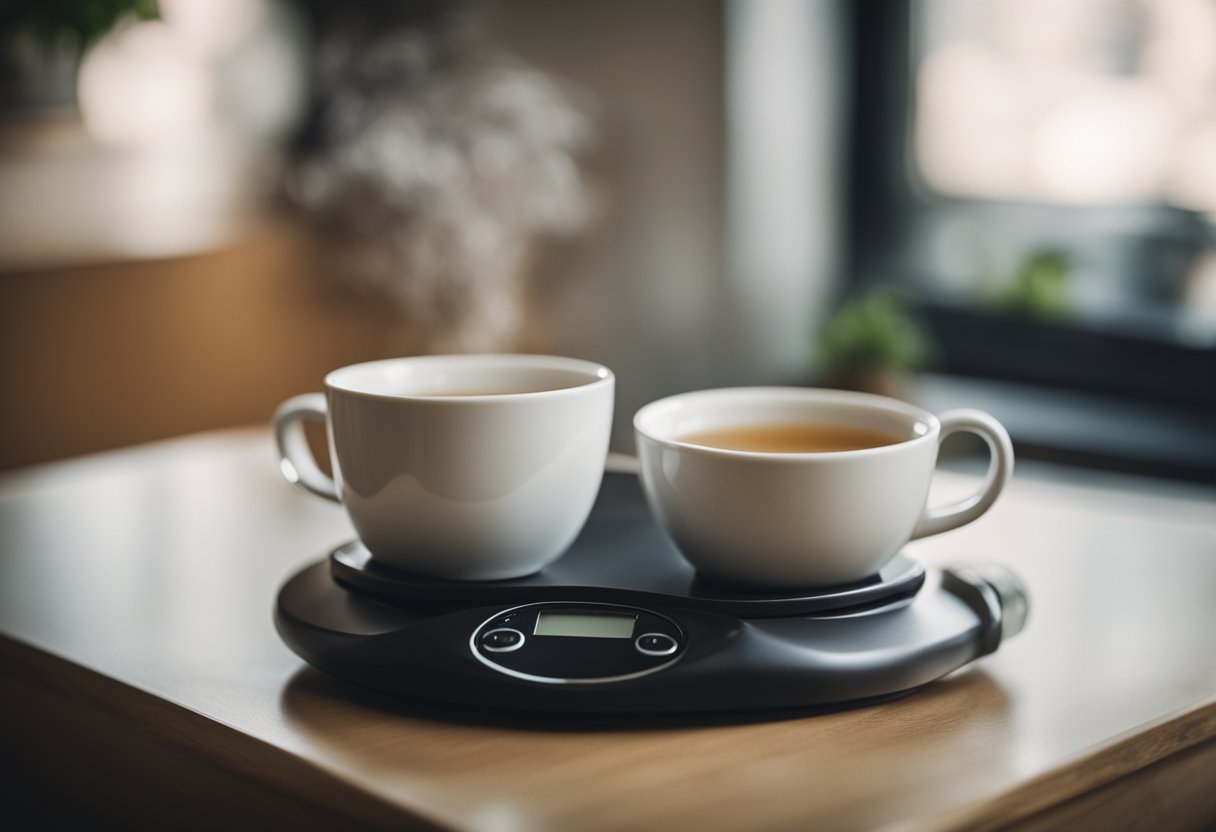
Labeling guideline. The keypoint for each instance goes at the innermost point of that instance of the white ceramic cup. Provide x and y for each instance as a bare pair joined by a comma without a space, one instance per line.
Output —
465,467
803,519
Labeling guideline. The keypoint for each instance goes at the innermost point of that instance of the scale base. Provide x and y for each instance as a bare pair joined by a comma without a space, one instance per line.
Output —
730,664
687,647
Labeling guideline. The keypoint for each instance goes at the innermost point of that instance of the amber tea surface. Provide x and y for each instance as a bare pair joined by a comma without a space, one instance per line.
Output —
792,438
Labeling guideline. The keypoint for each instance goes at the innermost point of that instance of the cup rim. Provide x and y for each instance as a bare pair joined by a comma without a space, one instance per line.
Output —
597,376
820,394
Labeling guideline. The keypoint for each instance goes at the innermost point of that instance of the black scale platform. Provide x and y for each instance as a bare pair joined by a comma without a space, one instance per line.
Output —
621,556
692,646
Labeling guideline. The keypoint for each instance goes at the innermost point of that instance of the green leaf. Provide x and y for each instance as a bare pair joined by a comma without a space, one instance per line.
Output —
872,333
1039,288
79,22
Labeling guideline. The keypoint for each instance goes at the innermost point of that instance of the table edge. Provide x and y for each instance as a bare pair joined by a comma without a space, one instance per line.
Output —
1097,766
212,741
179,728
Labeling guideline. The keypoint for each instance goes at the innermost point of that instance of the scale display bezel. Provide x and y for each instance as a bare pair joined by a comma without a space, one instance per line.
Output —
648,622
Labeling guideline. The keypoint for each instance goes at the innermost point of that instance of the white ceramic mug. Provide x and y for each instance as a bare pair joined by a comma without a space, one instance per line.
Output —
465,467
803,519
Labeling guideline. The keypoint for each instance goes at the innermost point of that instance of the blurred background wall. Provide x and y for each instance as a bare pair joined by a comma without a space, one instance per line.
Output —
720,131
103,355
713,237
206,205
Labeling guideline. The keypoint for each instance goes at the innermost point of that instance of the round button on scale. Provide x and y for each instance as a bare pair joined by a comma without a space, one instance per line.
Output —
502,640
656,644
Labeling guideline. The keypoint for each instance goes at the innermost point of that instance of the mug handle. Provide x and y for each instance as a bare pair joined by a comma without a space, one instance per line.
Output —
295,457
1000,467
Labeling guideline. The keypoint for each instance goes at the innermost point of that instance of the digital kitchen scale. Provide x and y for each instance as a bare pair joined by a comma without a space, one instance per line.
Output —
623,624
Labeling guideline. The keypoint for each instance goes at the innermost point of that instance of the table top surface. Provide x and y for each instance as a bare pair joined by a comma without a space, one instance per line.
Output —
157,567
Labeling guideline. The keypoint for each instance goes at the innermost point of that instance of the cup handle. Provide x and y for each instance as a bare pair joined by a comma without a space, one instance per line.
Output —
295,457
1000,467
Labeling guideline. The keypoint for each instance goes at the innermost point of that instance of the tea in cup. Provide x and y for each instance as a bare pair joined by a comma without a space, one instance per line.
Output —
784,487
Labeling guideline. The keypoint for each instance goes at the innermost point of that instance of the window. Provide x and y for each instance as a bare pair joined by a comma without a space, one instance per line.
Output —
1040,177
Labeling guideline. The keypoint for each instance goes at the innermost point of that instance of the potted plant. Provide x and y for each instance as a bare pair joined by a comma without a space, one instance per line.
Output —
871,344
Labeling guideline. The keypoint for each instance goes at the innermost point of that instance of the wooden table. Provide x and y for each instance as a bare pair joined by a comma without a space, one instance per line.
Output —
142,679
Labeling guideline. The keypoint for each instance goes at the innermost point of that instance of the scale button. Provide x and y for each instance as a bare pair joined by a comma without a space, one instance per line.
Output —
656,644
502,640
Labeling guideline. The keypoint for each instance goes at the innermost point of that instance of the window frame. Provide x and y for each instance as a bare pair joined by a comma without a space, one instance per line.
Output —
1150,356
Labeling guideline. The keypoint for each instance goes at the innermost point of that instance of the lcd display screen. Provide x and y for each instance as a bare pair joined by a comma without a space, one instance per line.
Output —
584,624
